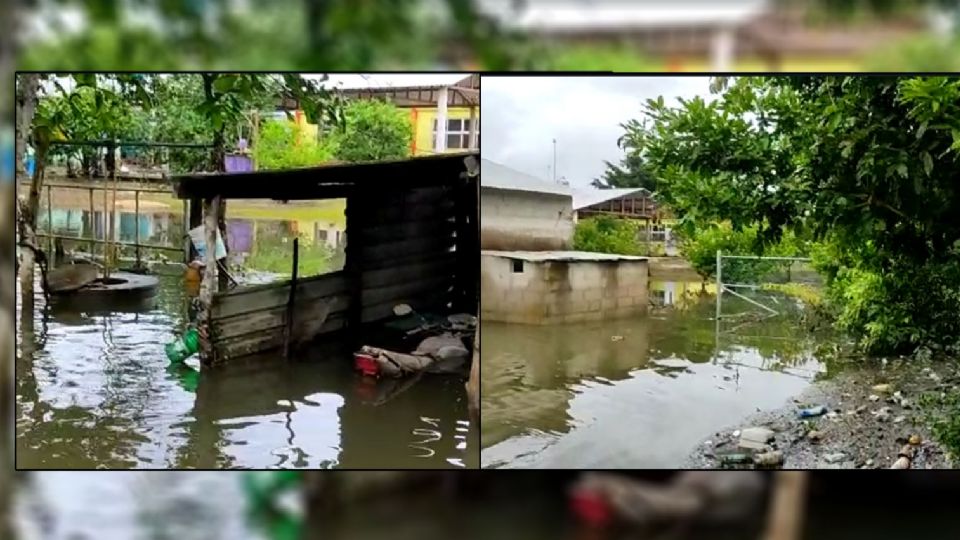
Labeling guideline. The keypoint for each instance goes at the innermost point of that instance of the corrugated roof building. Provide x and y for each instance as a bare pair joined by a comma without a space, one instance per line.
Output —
520,212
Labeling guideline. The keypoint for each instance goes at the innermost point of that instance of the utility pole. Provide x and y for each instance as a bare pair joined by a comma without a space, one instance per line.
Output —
554,161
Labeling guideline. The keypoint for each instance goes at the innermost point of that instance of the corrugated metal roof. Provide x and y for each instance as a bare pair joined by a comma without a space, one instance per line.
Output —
585,198
495,175
572,17
544,256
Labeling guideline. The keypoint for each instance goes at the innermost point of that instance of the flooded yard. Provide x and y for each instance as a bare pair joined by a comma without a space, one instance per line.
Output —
96,390
639,392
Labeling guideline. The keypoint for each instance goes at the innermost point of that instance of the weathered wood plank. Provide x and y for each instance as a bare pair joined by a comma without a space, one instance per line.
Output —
265,341
406,293
304,313
404,273
403,230
425,301
403,248
278,294
371,213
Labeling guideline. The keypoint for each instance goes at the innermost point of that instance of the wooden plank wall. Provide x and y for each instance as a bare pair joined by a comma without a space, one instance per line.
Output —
401,243
251,319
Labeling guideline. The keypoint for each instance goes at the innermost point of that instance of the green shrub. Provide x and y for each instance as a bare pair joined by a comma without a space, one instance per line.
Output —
900,308
605,234
284,144
701,247
942,411
375,130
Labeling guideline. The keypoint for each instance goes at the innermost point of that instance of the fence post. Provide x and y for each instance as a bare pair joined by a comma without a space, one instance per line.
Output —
719,281
93,228
50,249
136,222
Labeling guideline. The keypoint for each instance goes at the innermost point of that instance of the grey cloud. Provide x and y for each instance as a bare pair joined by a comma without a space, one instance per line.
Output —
521,115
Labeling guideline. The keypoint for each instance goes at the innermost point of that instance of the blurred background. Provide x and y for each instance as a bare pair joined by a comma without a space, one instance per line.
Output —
331,35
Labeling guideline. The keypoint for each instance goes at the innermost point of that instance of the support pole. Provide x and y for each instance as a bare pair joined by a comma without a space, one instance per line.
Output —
208,286
50,248
719,282
473,128
93,227
785,518
136,219
187,246
440,145
291,302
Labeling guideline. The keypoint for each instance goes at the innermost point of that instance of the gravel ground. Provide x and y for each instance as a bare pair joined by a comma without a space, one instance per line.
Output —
866,425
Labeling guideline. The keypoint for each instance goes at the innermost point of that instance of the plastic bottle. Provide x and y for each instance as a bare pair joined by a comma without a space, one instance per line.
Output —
184,347
819,410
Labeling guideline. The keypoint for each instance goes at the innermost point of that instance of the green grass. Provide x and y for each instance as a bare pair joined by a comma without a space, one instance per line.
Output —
278,259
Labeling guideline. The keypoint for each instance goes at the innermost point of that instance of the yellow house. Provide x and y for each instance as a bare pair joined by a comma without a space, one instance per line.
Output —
445,118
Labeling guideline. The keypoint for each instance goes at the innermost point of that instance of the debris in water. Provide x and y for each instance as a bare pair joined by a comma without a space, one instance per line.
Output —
882,388
915,440
755,437
813,411
835,458
616,338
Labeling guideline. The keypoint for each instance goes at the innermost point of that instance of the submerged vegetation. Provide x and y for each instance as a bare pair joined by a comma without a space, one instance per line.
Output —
864,169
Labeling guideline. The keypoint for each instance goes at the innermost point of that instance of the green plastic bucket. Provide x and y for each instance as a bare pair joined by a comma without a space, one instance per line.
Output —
184,347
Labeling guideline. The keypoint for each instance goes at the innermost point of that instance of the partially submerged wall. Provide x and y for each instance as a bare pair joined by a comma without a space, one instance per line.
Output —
561,291
520,220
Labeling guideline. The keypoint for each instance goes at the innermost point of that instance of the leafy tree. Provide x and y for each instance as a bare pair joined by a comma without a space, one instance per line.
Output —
287,145
863,161
632,172
374,130
606,234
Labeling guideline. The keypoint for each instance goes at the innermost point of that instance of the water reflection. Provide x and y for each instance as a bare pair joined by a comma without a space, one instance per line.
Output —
631,393
95,390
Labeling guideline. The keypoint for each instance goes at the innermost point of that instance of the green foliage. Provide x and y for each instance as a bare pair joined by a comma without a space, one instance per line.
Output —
375,130
623,58
278,35
314,258
630,173
869,162
605,234
287,145
928,53
700,248
942,411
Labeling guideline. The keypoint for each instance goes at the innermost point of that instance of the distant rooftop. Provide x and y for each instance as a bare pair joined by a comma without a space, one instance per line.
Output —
561,256
583,16
495,175
582,198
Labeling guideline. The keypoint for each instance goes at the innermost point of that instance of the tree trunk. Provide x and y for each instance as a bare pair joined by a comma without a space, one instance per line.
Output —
218,156
26,107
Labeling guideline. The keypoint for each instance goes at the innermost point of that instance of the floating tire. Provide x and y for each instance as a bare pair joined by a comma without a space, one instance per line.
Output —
121,291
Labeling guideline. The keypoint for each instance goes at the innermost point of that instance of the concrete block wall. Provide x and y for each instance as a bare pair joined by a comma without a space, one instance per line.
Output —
523,221
553,292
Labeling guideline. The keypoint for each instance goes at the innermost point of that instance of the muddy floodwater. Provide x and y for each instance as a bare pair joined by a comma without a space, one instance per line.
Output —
95,390
211,506
640,392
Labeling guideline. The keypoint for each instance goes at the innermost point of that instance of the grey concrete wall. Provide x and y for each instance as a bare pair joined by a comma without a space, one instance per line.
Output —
525,221
561,292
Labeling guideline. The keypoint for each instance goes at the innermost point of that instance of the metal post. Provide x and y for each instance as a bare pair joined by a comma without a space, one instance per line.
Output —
50,221
440,144
93,227
719,282
136,219
186,231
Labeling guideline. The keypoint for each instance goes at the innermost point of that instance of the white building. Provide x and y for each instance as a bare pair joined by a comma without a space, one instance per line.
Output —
520,212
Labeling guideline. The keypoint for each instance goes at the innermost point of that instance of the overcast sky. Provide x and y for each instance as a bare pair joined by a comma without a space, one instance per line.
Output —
522,115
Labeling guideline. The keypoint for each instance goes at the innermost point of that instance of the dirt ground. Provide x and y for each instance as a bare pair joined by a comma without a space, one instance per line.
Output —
866,426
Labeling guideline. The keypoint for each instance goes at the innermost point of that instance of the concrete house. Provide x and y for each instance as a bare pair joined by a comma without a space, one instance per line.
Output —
520,212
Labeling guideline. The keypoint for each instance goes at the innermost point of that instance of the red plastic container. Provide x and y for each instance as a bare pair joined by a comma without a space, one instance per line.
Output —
366,364
591,508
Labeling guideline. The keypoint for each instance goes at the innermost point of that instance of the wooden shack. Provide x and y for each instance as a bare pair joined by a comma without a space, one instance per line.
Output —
412,238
